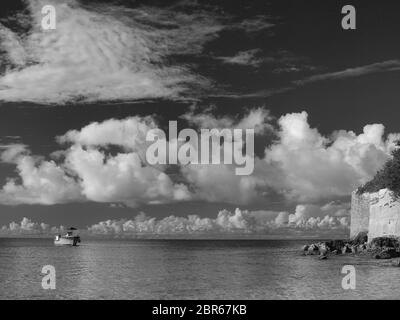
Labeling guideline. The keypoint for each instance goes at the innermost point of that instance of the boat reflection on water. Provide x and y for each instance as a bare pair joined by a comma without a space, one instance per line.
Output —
70,239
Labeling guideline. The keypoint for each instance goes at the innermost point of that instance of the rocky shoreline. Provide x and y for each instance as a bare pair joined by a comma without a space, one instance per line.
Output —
378,248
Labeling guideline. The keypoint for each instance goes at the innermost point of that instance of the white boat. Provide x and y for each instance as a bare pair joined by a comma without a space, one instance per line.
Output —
70,239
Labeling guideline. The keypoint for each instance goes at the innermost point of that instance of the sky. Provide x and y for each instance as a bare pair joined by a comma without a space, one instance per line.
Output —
77,101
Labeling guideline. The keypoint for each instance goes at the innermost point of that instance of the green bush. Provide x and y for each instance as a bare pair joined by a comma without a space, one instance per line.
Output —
388,177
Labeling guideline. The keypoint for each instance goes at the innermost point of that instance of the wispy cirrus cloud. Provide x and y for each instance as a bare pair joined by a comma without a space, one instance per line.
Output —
256,24
378,67
374,68
101,52
108,52
258,119
243,58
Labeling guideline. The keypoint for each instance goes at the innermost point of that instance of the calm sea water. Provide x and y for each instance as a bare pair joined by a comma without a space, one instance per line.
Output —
186,269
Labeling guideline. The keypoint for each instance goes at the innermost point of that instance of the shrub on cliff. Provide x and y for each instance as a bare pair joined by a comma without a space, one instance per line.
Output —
388,177
385,242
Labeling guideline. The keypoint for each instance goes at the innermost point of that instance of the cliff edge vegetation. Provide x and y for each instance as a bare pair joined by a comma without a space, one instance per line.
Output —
386,178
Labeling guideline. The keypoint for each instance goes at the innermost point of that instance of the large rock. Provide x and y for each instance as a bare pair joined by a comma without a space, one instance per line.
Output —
335,245
361,238
305,248
362,247
313,249
346,249
387,253
323,247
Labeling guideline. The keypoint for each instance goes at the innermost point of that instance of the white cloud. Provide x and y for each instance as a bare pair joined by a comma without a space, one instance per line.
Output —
12,151
28,227
88,172
378,67
219,183
108,52
14,52
301,164
282,218
129,133
41,182
121,178
103,52
244,58
330,216
308,217
289,65
258,119
262,222
313,166
256,24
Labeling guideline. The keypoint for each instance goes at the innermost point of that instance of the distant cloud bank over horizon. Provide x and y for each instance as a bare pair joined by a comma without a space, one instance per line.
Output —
332,219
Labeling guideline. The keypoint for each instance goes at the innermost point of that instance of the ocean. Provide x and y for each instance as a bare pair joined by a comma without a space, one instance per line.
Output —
187,269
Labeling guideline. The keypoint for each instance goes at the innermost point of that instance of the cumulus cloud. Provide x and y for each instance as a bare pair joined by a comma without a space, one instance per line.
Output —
313,166
122,178
106,162
88,172
39,181
11,152
129,134
231,188
218,183
328,216
301,164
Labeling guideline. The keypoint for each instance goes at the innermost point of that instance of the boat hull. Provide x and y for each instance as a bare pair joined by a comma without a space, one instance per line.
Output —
64,241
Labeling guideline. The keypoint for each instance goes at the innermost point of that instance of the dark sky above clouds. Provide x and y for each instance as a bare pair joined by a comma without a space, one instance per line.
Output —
263,62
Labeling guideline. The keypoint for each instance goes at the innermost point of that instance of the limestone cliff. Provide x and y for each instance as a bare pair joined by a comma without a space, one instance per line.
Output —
377,213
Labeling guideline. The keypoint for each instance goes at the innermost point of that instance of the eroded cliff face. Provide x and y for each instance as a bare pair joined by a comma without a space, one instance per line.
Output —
384,214
377,213
359,213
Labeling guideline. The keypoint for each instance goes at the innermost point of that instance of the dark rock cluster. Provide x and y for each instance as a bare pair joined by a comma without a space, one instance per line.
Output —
378,248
